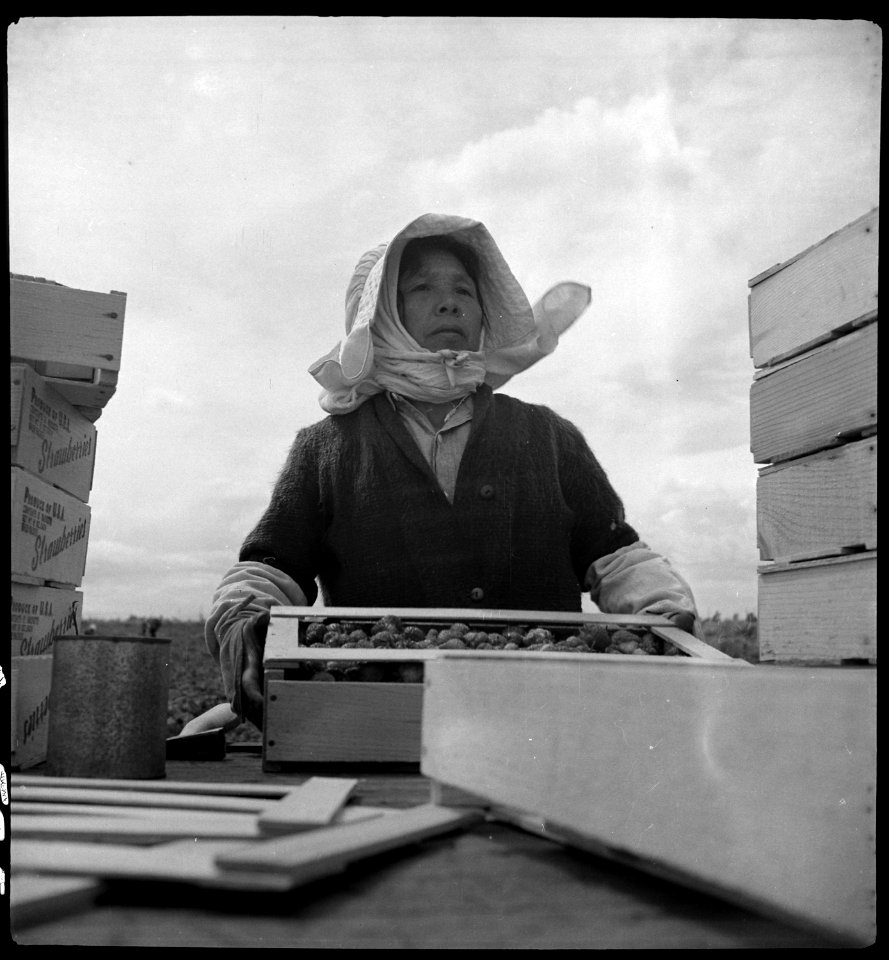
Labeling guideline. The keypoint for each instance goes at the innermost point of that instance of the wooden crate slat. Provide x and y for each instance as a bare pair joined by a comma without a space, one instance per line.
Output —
189,861
329,850
315,804
147,829
342,722
756,784
823,611
64,797
799,303
36,898
819,505
818,400
59,324
271,791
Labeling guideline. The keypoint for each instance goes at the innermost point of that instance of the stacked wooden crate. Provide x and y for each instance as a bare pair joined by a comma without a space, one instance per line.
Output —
65,347
813,425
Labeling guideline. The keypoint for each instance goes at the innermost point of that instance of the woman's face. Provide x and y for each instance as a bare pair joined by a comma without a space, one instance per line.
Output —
439,304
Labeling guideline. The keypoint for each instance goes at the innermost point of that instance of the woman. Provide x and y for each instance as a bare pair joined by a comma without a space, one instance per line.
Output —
424,488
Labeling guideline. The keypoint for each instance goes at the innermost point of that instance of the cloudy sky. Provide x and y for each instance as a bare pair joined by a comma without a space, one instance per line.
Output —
228,172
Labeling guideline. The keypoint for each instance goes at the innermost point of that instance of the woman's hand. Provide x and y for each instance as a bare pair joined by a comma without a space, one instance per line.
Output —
682,619
253,636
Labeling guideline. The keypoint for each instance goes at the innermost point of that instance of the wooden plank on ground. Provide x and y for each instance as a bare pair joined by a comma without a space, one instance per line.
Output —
273,791
349,814
154,827
36,898
755,784
61,797
315,804
183,861
142,825
819,505
317,853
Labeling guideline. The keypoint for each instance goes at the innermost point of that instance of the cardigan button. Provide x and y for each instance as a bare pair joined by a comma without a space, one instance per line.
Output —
486,492
476,593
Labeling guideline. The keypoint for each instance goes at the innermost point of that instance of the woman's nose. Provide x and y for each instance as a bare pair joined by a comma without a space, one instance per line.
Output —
448,305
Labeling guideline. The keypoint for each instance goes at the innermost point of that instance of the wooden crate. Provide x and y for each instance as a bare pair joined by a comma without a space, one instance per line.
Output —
39,615
50,532
820,293
819,611
29,709
755,783
54,324
48,437
820,505
309,722
817,400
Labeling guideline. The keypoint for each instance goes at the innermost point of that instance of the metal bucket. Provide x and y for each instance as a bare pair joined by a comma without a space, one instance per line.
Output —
108,707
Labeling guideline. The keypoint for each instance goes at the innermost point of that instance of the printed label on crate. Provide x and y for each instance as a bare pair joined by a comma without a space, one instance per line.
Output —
49,437
39,615
31,682
50,531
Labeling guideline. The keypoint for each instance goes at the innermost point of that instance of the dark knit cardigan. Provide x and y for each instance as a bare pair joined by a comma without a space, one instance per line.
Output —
357,507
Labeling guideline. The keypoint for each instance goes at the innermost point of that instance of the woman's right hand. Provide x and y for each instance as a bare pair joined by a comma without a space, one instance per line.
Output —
253,636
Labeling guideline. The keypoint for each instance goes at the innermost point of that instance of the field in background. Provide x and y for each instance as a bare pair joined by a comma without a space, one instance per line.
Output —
195,683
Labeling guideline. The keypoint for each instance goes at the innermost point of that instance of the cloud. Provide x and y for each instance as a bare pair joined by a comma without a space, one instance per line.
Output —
228,172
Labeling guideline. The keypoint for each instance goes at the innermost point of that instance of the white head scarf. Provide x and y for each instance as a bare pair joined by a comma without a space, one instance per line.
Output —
379,354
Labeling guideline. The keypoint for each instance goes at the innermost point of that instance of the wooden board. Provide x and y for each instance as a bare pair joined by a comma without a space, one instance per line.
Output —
39,614
35,898
50,531
273,791
63,798
150,828
147,826
318,801
342,722
820,399
824,611
59,324
826,288
315,804
48,437
755,784
190,861
820,505
318,853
